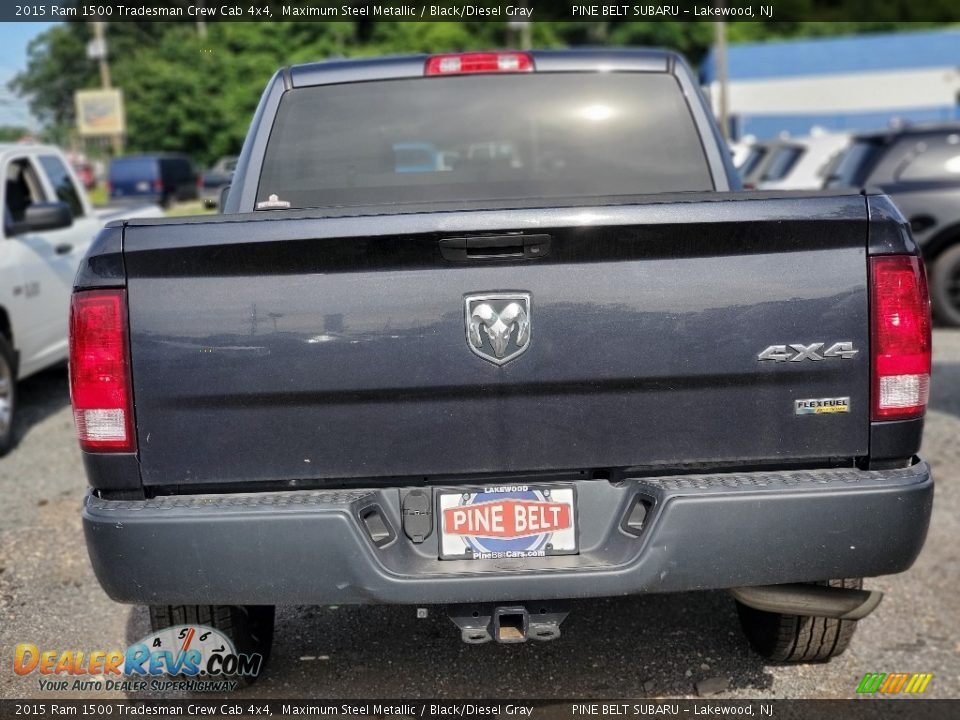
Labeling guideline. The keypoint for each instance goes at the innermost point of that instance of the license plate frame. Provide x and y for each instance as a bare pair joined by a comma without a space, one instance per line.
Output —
550,530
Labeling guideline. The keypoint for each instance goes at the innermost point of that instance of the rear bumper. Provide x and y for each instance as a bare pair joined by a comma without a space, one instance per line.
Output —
703,531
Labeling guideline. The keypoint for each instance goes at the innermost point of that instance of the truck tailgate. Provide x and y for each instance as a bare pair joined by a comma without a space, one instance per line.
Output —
288,347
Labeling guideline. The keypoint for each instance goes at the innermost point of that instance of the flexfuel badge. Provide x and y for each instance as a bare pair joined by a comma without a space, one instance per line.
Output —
820,406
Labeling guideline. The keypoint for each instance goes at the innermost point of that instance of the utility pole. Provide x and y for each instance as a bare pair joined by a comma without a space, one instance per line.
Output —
202,24
100,44
101,39
524,27
720,54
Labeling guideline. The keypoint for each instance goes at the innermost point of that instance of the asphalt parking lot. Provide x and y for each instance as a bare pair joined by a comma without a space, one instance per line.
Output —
629,647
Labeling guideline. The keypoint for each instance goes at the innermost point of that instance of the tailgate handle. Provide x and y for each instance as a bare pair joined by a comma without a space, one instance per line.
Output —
495,247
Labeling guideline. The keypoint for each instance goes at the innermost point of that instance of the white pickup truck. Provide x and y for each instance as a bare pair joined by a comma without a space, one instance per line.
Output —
48,224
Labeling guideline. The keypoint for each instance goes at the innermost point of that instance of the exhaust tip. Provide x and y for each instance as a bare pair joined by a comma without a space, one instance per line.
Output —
810,600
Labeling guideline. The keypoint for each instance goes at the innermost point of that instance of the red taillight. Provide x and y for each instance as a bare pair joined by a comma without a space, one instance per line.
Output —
900,337
100,371
158,185
479,62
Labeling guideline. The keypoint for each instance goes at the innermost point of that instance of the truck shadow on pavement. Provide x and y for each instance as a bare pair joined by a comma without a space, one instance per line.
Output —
944,386
39,397
643,646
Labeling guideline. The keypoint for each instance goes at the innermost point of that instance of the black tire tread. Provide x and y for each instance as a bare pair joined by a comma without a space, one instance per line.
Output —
250,627
797,638
219,617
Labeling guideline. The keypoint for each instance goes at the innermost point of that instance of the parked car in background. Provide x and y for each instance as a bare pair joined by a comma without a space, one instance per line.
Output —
86,175
214,180
83,168
753,162
919,167
802,163
163,178
740,150
789,163
48,224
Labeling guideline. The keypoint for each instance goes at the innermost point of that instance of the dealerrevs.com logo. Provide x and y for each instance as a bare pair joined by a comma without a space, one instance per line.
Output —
182,657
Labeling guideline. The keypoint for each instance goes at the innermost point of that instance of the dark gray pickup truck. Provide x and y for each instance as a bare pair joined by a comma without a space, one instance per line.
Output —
491,331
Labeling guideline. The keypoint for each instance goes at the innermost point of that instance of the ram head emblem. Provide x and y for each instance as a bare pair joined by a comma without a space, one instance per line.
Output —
498,326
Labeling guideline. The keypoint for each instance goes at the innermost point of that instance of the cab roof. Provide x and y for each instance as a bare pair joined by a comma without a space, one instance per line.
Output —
409,66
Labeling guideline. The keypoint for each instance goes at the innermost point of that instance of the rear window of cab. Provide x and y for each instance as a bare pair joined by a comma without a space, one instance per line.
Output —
482,137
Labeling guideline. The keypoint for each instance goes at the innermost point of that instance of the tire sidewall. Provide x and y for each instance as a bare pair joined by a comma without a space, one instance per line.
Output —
7,357
945,267
791,639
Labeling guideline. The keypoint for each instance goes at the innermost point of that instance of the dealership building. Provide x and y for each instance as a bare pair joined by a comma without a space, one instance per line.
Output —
866,82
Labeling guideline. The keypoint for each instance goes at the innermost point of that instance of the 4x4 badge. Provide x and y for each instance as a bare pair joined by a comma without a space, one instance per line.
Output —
800,352
498,325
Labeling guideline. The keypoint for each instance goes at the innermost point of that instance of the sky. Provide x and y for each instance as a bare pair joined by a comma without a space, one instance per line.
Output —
14,38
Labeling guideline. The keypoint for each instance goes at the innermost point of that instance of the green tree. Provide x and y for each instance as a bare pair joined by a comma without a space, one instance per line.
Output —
53,74
12,133
197,95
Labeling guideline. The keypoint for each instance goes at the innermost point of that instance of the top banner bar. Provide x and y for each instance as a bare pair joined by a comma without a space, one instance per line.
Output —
790,11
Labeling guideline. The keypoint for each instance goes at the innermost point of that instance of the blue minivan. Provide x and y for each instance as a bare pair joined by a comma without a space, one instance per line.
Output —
163,178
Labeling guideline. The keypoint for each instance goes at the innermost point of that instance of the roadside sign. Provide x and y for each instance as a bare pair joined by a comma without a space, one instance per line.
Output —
100,112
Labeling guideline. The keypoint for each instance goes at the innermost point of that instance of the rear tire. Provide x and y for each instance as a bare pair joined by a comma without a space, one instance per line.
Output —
250,627
798,638
8,395
945,286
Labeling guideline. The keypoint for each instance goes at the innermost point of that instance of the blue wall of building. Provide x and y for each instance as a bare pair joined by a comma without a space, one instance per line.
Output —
873,56
827,56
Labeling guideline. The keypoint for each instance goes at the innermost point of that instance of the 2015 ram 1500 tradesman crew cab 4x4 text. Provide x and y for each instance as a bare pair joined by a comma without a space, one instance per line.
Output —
493,331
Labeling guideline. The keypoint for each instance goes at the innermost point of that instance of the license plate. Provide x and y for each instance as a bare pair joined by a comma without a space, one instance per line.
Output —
515,521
